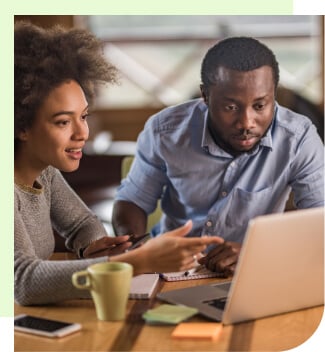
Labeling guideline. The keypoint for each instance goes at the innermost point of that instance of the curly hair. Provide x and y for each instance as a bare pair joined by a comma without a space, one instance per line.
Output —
46,58
240,54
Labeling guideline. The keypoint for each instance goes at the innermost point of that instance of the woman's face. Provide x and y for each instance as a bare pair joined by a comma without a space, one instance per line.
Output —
59,131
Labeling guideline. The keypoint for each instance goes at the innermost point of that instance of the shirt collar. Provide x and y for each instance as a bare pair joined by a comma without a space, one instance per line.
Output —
266,141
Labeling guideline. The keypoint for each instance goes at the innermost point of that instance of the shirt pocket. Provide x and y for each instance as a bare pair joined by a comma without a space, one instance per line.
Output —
245,205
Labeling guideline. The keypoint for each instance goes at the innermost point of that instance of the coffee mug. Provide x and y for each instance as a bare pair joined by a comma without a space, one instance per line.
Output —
109,284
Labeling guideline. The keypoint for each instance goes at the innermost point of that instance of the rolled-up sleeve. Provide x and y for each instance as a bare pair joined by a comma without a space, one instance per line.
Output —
308,171
145,182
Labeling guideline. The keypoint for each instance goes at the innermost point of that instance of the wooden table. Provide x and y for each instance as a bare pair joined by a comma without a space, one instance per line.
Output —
275,333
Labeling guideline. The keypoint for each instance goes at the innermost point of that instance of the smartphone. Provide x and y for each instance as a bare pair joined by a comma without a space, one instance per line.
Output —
44,327
138,240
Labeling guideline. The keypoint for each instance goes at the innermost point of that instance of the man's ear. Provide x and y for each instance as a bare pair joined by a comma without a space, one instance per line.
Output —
204,94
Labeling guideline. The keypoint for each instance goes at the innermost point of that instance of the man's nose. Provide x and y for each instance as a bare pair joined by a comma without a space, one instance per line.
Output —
246,119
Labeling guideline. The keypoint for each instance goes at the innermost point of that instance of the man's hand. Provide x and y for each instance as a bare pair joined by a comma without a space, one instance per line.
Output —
223,258
107,246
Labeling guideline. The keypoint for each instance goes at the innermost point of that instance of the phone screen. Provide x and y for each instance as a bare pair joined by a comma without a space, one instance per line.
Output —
45,327
40,323
138,240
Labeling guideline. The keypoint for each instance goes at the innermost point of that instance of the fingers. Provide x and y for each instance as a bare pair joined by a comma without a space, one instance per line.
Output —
107,246
111,251
223,258
180,231
213,240
222,265
202,260
198,244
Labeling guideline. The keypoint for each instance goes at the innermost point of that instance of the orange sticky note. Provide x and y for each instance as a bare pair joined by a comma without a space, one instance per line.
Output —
197,330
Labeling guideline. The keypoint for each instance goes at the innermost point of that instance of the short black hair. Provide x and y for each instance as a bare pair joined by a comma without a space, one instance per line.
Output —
46,58
240,54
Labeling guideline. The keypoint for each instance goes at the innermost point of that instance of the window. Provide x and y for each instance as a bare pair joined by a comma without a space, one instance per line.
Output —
159,57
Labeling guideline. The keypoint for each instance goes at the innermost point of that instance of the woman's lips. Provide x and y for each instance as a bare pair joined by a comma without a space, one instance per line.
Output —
74,153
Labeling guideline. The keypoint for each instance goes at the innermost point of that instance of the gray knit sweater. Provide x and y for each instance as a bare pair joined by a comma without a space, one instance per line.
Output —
37,211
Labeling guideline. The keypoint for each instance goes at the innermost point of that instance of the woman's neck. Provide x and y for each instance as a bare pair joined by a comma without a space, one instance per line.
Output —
24,173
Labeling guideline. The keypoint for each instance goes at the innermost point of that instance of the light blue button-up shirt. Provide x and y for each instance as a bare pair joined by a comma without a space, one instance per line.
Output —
178,161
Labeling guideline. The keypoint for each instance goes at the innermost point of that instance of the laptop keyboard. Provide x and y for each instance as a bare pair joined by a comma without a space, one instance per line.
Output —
220,302
217,303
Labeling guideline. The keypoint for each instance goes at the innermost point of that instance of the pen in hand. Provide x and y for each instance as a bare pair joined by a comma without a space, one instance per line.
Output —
194,270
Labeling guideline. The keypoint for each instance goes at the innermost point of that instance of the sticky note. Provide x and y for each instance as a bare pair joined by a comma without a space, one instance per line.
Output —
197,330
169,314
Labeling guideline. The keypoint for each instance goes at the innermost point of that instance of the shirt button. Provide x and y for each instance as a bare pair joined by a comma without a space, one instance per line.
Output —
209,223
224,193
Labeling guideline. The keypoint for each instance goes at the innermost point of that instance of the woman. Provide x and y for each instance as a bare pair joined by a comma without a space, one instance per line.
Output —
56,74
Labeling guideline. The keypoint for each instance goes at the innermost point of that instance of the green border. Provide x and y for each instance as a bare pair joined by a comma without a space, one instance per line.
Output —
7,168
157,7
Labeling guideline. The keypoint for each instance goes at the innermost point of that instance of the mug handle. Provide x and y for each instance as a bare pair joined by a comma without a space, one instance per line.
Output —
75,280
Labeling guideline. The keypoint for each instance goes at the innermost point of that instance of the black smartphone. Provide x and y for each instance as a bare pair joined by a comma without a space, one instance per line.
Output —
44,327
138,240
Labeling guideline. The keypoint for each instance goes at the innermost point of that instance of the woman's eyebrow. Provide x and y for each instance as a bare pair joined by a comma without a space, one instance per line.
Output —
63,112
67,112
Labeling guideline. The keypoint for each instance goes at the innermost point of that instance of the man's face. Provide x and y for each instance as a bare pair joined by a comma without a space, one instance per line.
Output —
241,107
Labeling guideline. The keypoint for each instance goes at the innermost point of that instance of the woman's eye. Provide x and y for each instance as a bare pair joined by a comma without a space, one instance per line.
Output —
62,123
85,117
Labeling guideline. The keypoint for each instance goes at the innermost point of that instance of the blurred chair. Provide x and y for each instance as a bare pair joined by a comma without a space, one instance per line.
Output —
155,216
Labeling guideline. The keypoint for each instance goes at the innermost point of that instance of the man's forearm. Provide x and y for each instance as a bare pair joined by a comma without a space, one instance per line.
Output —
128,219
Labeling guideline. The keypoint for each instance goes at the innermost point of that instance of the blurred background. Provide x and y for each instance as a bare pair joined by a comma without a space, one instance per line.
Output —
159,59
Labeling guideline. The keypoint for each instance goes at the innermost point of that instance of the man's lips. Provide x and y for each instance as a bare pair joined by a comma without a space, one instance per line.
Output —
245,137
245,140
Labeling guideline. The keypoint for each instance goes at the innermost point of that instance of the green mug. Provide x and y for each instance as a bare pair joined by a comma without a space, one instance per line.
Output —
109,284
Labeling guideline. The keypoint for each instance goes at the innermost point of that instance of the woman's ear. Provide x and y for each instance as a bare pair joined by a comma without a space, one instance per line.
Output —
204,94
23,135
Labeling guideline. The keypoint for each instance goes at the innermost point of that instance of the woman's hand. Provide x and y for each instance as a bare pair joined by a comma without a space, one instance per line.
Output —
107,246
168,252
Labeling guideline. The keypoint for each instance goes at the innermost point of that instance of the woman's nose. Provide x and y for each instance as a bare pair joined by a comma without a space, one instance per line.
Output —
81,130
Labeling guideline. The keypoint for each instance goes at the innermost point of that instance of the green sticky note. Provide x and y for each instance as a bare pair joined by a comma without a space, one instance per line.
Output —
169,314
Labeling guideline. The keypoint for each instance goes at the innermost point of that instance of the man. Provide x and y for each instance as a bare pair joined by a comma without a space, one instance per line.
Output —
224,159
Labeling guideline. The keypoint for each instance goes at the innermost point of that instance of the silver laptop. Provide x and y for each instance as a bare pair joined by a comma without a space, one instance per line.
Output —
280,269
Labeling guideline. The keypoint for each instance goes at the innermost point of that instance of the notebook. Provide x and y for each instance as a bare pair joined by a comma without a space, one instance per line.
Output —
200,272
143,286
280,269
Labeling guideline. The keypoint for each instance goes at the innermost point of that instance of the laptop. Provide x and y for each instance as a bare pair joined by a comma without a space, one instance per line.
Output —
280,269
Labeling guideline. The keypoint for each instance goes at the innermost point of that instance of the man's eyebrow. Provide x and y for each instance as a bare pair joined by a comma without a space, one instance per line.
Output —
235,100
262,97
229,99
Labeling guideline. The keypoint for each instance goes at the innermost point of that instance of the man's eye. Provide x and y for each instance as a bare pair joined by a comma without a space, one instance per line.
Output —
231,107
259,106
